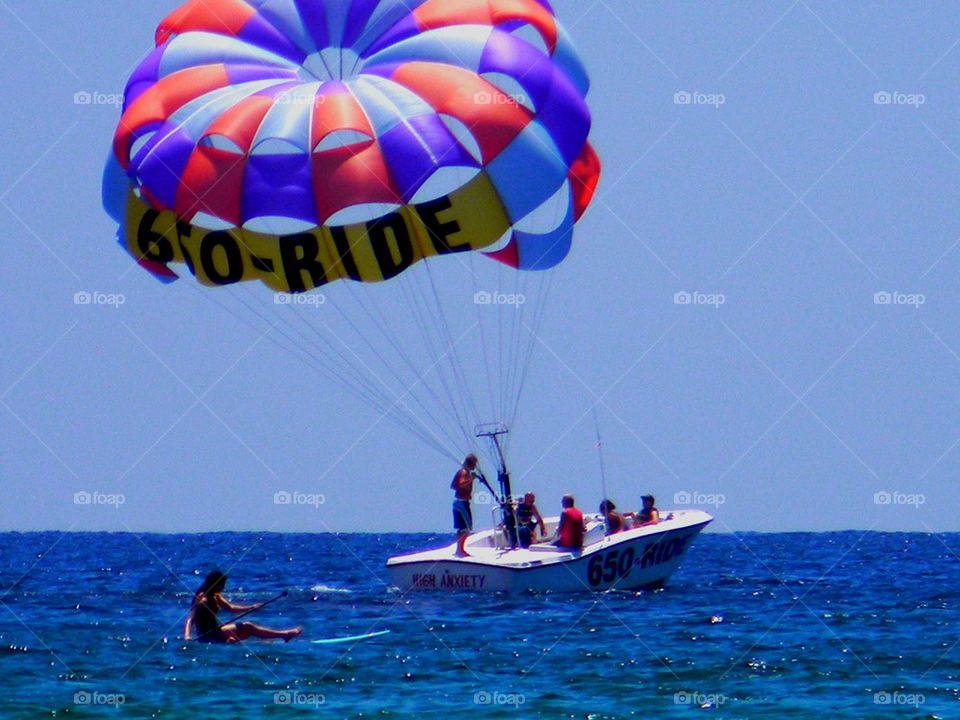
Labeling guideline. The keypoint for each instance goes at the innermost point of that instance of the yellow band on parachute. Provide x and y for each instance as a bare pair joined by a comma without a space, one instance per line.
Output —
471,218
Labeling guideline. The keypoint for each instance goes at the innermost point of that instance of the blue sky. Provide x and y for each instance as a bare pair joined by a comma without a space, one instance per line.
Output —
785,189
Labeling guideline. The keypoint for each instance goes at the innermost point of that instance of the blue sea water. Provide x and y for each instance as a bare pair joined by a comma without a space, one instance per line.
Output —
836,625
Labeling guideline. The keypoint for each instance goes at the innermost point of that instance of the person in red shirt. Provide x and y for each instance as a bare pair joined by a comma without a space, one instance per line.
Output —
572,526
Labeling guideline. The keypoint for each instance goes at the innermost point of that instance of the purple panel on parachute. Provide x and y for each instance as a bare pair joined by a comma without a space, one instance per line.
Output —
508,54
360,12
242,73
410,162
279,186
404,29
144,76
560,108
314,16
261,33
160,165
566,117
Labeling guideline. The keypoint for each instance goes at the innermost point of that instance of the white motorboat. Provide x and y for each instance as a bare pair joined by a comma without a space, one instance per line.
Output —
634,559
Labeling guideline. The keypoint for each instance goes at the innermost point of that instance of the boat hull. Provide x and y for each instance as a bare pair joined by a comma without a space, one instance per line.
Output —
631,560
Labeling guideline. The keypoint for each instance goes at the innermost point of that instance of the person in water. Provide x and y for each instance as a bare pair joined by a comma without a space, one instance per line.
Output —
209,600
648,515
613,520
572,526
462,487
528,519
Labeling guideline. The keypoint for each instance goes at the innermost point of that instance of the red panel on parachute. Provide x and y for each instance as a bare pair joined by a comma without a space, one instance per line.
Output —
225,17
213,179
508,255
352,174
162,100
439,13
454,91
584,178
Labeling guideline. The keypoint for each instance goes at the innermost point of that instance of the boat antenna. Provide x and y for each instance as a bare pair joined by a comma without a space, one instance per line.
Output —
599,447
493,432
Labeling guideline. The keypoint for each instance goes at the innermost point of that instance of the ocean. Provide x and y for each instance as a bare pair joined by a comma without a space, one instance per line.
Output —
798,625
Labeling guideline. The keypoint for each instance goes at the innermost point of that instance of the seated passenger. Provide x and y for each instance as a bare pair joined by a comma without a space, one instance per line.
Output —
528,519
572,526
203,620
612,519
648,515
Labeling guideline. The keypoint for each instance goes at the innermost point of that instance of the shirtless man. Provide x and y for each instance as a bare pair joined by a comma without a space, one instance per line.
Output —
462,487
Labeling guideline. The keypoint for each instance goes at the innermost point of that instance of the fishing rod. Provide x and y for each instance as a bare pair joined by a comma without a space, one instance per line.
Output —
261,606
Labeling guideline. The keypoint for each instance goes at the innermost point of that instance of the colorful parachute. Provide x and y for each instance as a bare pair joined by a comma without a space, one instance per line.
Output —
302,141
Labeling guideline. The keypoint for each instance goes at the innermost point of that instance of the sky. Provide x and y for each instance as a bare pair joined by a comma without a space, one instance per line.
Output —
759,314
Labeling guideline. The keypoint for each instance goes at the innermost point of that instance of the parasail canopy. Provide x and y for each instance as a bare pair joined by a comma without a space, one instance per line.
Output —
299,142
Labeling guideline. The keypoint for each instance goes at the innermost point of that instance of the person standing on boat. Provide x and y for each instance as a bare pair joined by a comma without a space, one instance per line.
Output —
528,518
462,487
572,526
